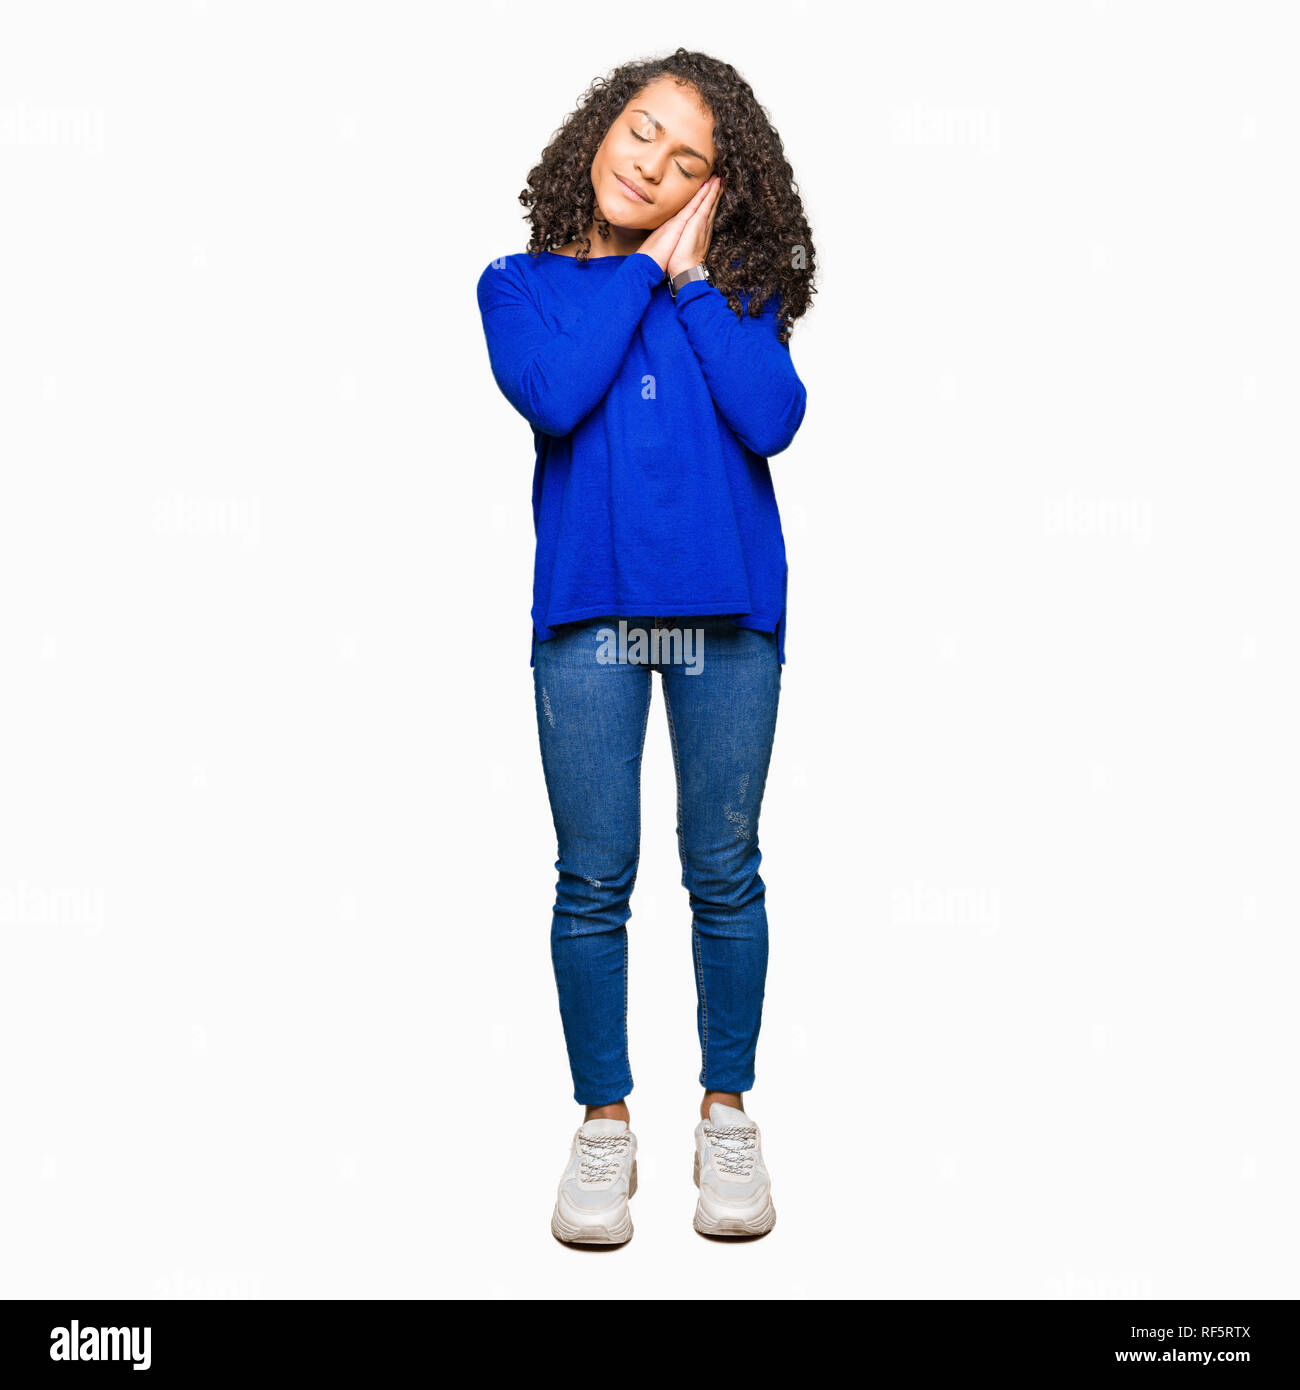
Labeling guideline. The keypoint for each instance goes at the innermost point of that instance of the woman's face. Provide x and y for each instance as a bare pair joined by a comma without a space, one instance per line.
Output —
661,147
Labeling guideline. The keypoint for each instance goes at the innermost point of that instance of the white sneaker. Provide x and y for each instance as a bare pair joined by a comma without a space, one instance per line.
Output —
735,1190
591,1203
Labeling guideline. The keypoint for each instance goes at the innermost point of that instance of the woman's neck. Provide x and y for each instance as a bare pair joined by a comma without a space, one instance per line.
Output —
622,241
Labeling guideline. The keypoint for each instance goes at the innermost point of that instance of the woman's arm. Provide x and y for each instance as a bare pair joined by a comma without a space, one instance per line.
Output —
747,367
556,379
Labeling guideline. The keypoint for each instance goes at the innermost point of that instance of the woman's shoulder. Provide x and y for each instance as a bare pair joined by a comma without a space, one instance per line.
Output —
518,262
512,268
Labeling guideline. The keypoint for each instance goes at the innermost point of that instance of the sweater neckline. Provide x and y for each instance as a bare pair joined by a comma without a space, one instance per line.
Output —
560,256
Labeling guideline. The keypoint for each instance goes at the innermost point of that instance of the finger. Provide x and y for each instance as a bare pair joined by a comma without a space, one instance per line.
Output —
710,195
695,203
707,238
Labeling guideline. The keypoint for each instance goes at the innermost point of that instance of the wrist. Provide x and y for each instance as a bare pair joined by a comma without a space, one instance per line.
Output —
682,275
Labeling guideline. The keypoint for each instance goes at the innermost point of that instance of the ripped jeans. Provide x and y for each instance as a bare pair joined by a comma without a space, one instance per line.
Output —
593,703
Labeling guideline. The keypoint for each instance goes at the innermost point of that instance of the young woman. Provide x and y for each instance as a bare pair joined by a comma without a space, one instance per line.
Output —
644,336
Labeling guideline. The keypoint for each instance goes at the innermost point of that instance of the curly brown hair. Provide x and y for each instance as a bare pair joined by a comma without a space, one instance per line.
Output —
761,245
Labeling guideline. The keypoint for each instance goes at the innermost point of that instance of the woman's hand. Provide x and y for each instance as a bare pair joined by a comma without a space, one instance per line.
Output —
662,244
693,244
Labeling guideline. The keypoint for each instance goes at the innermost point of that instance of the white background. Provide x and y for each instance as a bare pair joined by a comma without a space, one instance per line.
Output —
277,1015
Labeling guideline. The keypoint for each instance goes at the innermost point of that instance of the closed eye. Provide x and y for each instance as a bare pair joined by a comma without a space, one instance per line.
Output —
684,172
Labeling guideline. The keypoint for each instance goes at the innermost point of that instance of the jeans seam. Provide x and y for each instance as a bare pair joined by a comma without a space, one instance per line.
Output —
762,788
704,1003
681,851
677,768
645,724
758,805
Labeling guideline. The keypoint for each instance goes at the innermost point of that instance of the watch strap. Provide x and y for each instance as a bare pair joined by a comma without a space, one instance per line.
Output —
684,277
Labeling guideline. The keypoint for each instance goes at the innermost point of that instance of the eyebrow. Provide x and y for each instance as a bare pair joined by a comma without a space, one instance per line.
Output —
686,149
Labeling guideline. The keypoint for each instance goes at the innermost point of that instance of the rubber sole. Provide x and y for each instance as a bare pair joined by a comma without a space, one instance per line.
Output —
617,1234
731,1226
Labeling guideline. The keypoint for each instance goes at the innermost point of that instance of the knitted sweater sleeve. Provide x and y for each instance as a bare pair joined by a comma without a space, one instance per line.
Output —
554,377
749,371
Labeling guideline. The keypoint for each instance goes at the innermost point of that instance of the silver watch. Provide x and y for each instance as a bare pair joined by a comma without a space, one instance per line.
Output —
695,272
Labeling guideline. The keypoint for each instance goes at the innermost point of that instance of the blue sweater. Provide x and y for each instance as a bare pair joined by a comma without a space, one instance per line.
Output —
653,420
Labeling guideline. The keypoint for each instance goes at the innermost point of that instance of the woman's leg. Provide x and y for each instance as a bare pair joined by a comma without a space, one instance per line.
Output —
722,720
591,719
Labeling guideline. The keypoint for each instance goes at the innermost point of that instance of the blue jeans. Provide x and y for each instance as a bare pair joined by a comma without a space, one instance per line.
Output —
592,709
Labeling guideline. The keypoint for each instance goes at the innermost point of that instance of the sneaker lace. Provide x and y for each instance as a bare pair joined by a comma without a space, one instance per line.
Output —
735,1147
599,1156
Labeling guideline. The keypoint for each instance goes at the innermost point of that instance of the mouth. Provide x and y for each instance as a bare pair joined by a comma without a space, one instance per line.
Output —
632,190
